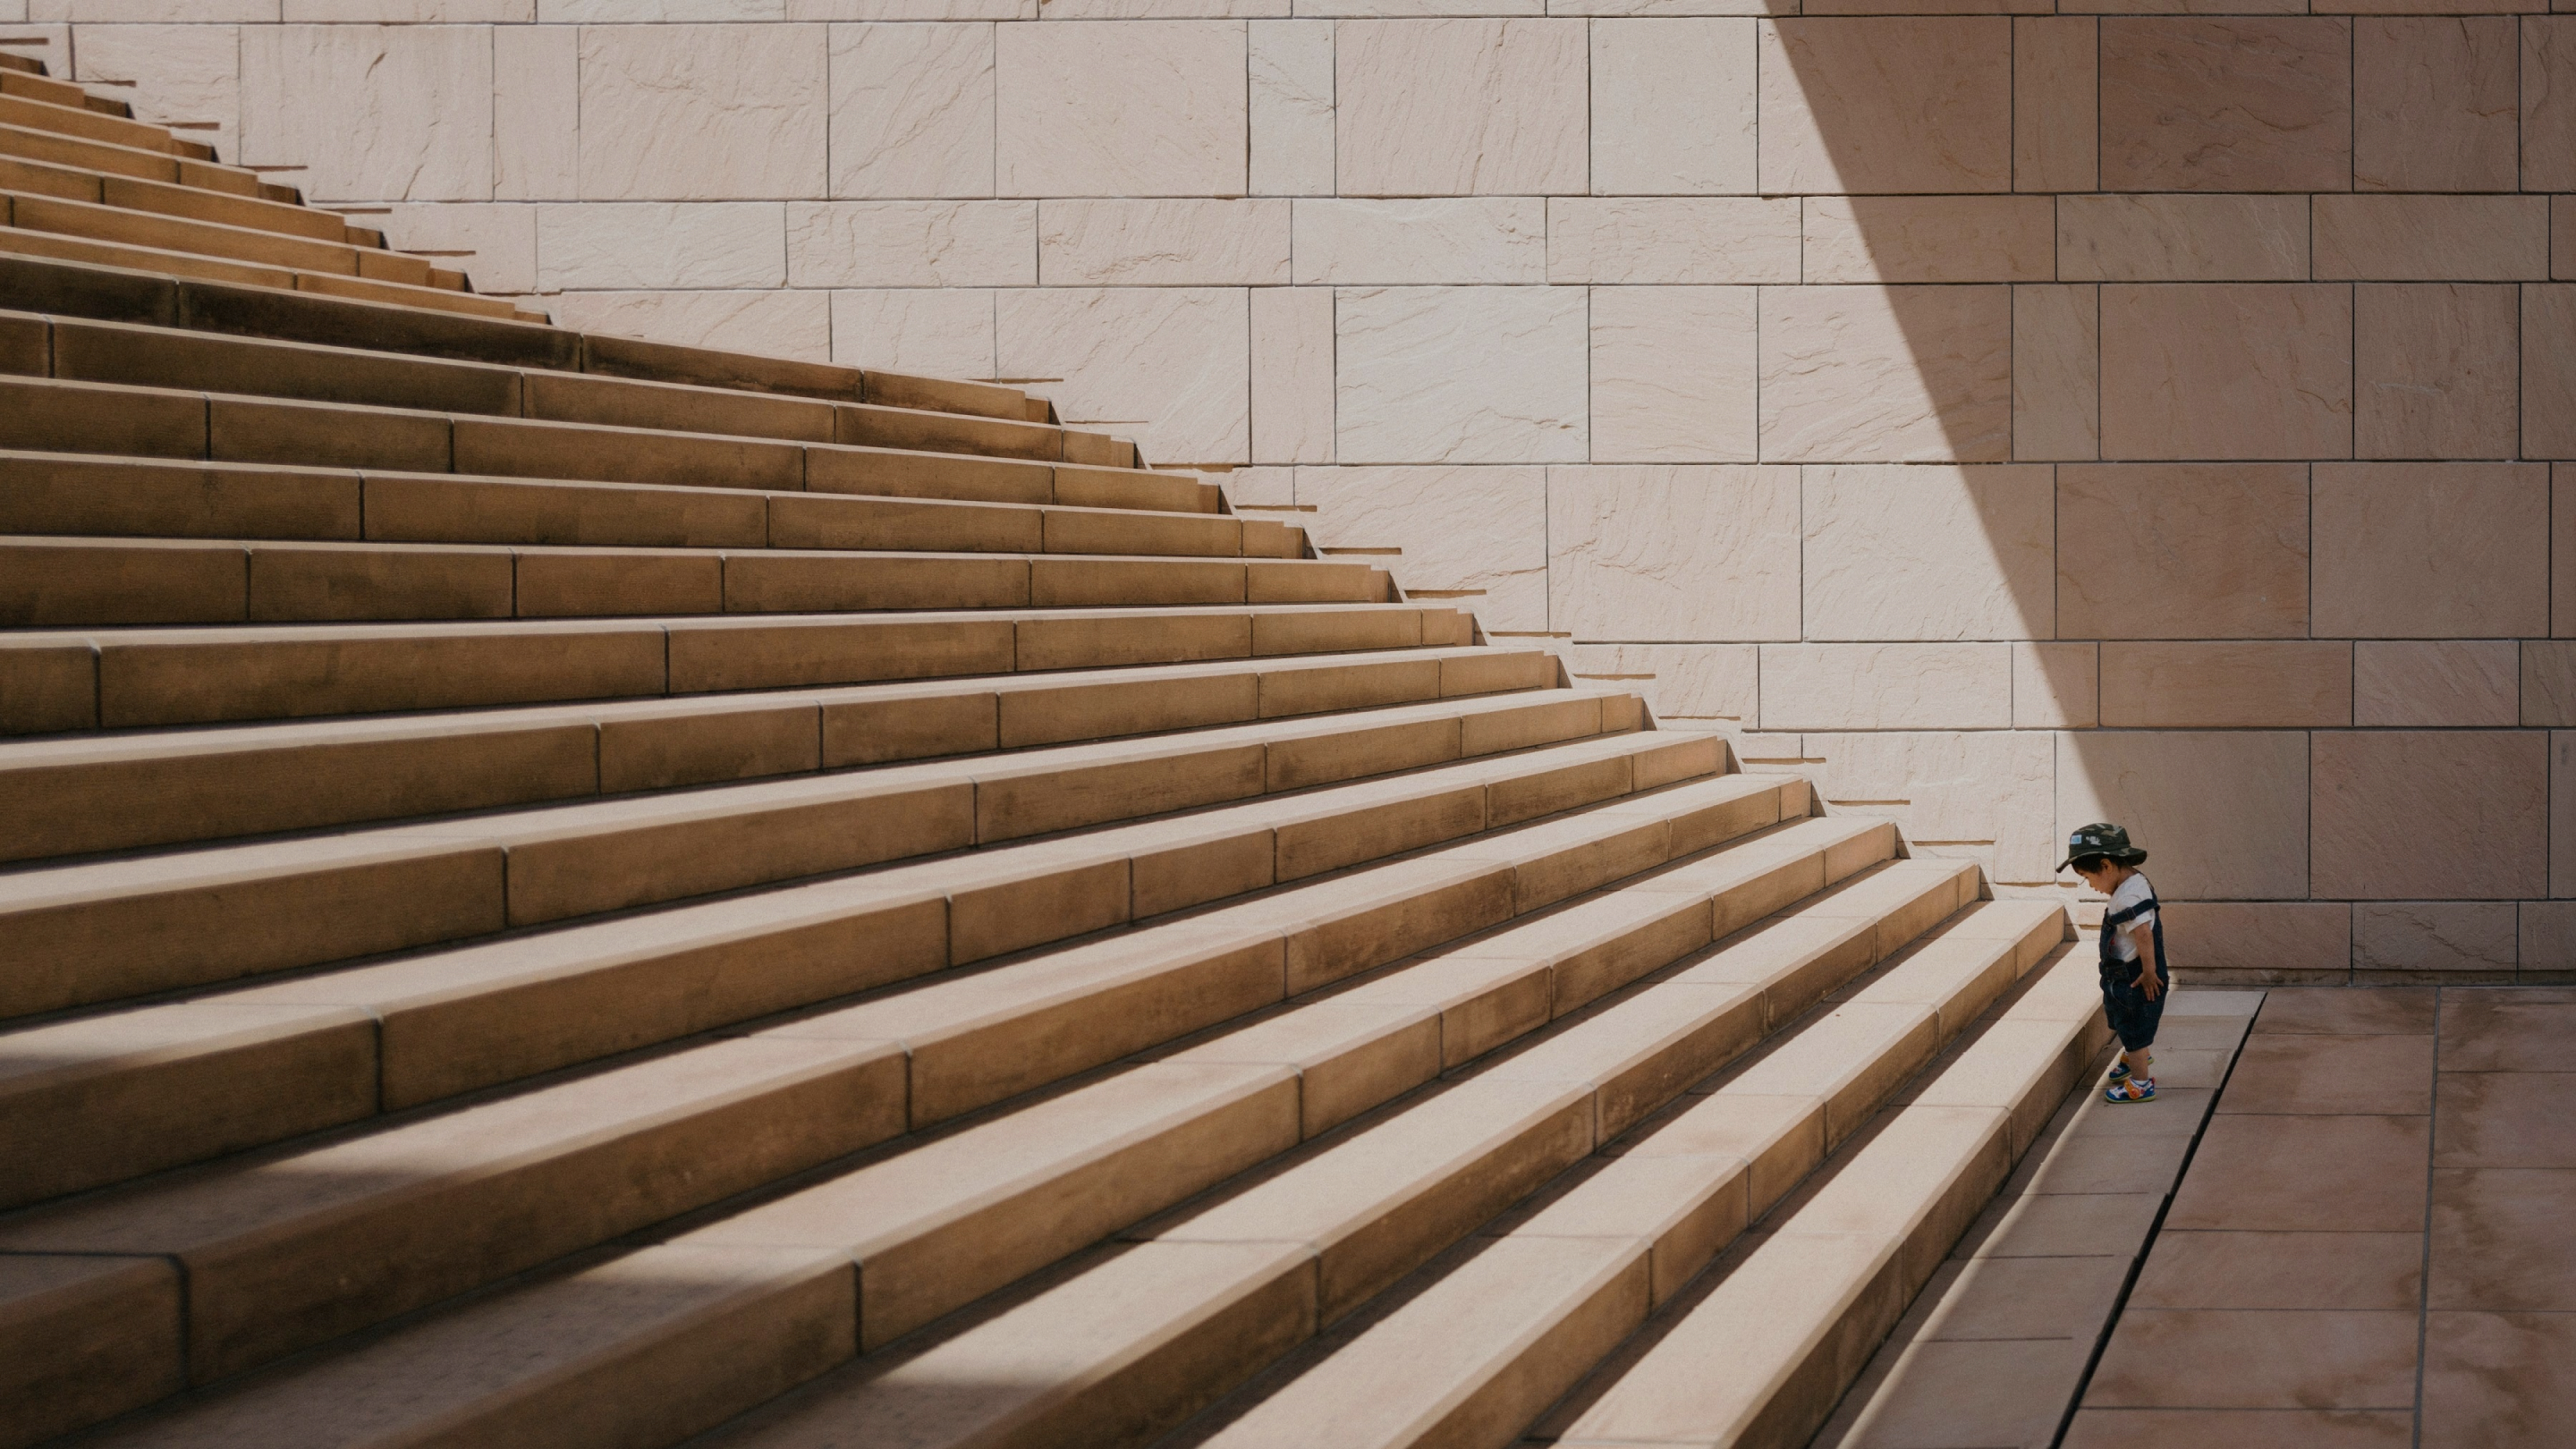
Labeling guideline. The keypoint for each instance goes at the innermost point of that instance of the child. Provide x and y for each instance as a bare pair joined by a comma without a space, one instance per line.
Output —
2133,992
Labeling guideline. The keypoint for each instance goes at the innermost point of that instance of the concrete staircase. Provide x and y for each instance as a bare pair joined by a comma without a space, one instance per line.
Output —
570,891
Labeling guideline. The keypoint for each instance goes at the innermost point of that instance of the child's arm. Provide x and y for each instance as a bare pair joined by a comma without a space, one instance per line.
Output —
2143,935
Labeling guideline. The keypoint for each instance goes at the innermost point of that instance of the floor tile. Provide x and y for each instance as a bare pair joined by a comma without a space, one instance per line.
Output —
2241,1429
2113,1164
2172,1112
2344,1075
2346,1010
2214,1001
2018,1298
2189,1358
2064,1225
2505,1119
2198,1033
2508,1030
2282,1270
2499,1380
2501,1239
1999,1393
2316,1174
2195,1068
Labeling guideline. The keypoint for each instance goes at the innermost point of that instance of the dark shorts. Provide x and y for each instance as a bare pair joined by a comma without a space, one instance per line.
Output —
2133,1016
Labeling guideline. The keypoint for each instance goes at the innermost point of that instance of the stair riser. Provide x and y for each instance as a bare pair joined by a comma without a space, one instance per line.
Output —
72,121
161,231
57,149
117,188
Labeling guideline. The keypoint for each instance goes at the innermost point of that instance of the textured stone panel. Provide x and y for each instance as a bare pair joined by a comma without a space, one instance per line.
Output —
2226,370
943,332
2549,103
912,243
662,244
1672,374
2260,936
1886,374
1292,375
2178,94
2270,685
1414,243
2432,815
1465,107
1482,530
375,112
1672,242
1672,107
2057,103
1680,681
495,244
536,113
1168,367
1929,553
703,112
2057,686
1291,112
2431,682
2432,238
2433,103
912,110
2057,372
2562,238
1886,686
2431,550
1650,554
2435,368
2562,552
1982,795
877,10
2436,939
2223,814
2548,682
2209,551
2562,813
410,12
2549,371
1460,374
2182,238
185,74
772,323
1930,239
1271,488
1142,108
1162,243
657,12
1887,105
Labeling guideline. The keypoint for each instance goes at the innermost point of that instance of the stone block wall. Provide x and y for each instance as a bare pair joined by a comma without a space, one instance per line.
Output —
2010,418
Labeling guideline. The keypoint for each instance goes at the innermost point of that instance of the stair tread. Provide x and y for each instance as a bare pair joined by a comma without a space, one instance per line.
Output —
21,243
120,190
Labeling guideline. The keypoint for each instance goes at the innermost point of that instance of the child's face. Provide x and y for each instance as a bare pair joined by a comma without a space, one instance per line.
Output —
2094,871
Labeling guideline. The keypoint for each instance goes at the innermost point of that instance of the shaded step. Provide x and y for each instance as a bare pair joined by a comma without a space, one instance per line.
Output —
81,121
168,198
54,148
37,246
86,794
51,682
161,231
37,87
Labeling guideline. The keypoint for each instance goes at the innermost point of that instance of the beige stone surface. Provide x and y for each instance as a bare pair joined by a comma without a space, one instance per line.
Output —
1168,366
1984,795
1929,553
2057,105
2548,682
2432,238
1929,239
2431,550
2182,238
2562,813
2562,553
187,75
2562,238
1718,682
1291,107
536,113
1886,686
2182,551
662,245
2223,814
1887,105
1674,241
947,332
2262,936
1651,554
1460,107
1672,374
775,323
912,110
373,112
1460,375
1468,529
2433,103
2057,686
1886,374
1421,242
1292,375
2176,92
2549,371
1140,108
2057,372
912,243
494,242
1196,243
2223,685
2405,815
702,112
2450,937
2435,368
2549,103
1672,107
2425,682
2226,370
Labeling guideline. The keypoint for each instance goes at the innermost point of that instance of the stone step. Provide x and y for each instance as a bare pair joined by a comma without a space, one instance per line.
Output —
1762,1358
168,198
948,1220
68,494
57,92
86,794
39,246
1477,1352
77,583
291,1248
82,934
47,415
92,125
24,65
164,232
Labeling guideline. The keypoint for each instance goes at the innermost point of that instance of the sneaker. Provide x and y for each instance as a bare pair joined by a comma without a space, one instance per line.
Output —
2130,1089
2119,1071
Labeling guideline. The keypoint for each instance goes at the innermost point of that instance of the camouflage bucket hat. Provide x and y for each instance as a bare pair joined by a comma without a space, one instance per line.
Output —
2101,838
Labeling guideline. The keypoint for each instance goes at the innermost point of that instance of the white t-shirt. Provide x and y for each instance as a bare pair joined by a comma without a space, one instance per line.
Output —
2132,892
